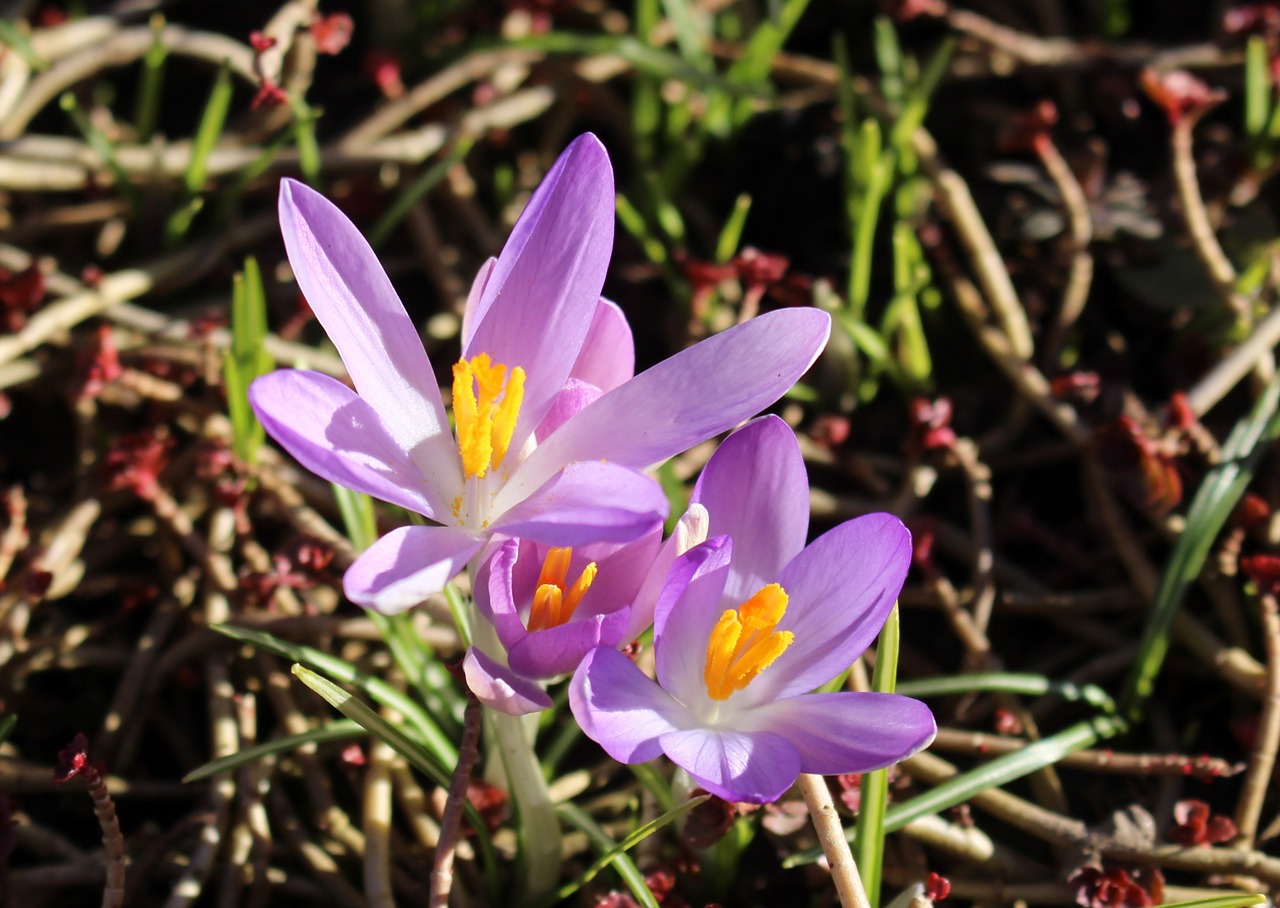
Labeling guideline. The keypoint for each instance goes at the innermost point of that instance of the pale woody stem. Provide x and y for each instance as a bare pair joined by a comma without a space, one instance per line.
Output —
826,822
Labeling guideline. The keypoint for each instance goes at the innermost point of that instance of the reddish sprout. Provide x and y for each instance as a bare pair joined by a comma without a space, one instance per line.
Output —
1263,571
1030,131
936,887
20,295
1182,95
332,33
1196,825
260,42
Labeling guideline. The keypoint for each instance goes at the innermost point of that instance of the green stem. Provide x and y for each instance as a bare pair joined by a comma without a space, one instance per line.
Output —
539,826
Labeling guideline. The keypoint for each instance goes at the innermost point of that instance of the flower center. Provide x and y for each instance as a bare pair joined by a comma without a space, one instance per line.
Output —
744,642
553,605
486,404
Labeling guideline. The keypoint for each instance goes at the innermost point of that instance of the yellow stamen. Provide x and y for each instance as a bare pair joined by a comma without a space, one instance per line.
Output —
744,642
552,604
485,422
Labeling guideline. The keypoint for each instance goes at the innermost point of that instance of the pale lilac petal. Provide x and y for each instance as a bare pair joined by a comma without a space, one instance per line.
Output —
407,565
540,299
500,688
573,398
690,530
699,392
755,767
841,589
495,596
756,490
608,356
355,303
848,732
585,502
339,437
620,708
559,650
473,299
622,569
687,609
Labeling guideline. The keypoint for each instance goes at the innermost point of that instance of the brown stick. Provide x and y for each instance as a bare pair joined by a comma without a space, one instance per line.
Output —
826,822
468,750
1263,759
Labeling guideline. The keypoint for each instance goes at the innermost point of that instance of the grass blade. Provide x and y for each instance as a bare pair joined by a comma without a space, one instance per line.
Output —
432,738
1215,500
992,774
402,744
342,730
621,848
1009,683
600,839
1236,900
869,853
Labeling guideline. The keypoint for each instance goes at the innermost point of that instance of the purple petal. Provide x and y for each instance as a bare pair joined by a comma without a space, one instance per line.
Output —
688,398
848,732
559,650
756,767
620,708
407,565
494,594
540,299
573,398
756,490
690,530
585,502
339,437
500,688
841,589
355,303
473,299
622,569
688,608
608,356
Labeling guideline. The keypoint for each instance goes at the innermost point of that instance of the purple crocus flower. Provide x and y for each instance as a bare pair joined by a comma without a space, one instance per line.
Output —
551,434
550,606
747,624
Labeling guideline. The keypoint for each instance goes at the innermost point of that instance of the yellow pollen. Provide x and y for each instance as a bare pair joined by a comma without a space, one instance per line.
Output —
553,605
485,422
744,642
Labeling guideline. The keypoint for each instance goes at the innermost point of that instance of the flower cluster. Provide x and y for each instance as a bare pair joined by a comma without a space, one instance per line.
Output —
538,487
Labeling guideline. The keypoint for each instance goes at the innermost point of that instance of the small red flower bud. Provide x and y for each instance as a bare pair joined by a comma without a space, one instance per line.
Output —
936,887
1181,94
332,33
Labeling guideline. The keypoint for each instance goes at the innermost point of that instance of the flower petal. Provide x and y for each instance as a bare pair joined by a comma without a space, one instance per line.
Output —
573,398
690,530
540,299
473,299
500,688
620,708
756,767
841,589
756,490
688,398
559,650
583,503
407,565
338,436
495,596
847,731
687,609
608,356
355,303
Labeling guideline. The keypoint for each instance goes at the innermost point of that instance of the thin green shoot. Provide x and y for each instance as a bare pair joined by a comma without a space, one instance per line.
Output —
341,730
869,851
